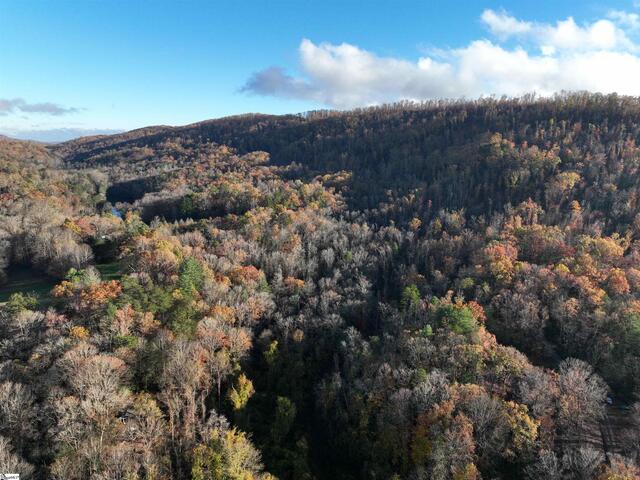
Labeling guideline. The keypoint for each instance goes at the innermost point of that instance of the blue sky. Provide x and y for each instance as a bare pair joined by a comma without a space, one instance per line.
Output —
72,67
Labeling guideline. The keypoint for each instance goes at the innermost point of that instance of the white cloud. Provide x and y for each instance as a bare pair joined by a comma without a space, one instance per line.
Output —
547,58
626,19
602,34
565,34
504,25
13,105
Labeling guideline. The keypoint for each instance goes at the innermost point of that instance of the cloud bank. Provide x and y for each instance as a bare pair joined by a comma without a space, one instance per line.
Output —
520,57
16,105
54,135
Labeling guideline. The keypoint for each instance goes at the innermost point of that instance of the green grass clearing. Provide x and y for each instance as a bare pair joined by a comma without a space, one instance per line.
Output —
28,280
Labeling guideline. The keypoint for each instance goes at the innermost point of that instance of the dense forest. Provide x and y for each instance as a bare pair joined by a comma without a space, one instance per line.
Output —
442,290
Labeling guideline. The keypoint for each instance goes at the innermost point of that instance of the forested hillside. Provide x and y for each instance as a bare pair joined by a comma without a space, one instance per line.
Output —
447,290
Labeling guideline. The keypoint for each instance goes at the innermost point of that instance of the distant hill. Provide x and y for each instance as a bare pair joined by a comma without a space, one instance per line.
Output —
25,151
438,148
